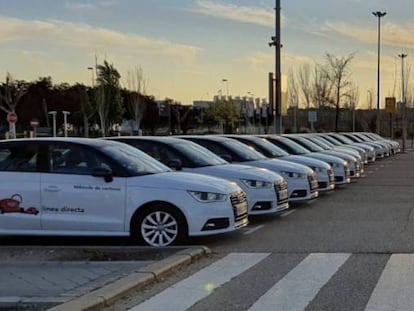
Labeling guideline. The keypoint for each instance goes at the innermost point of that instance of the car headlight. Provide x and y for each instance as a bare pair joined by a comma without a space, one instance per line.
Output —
207,197
293,175
251,183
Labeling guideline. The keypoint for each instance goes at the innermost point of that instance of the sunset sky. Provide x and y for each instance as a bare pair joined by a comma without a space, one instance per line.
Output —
187,47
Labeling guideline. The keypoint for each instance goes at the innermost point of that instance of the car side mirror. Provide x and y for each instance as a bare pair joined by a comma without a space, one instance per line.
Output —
226,157
103,172
175,164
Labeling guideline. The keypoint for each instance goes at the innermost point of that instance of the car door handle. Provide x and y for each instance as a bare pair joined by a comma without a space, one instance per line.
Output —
53,189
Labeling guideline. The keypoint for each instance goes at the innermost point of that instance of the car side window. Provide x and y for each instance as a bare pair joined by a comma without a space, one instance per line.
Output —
73,159
19,158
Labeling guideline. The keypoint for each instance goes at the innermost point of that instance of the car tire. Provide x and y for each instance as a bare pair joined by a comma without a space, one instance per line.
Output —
159,225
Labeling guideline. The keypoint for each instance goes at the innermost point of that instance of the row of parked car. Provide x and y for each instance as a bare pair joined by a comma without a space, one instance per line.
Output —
161,190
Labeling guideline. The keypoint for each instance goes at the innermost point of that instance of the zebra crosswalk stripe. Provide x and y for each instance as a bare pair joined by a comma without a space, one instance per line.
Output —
187,292
301,285
395,288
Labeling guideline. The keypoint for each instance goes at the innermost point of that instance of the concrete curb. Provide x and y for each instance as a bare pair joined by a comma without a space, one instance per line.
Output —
107,295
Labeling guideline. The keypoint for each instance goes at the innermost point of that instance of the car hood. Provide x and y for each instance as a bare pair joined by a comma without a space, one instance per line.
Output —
236,171
325,157
306,161
340,154
280,165
184,181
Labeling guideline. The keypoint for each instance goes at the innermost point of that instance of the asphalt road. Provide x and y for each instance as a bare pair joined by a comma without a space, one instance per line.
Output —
352,249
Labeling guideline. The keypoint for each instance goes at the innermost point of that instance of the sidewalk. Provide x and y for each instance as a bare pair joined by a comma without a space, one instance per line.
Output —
30,284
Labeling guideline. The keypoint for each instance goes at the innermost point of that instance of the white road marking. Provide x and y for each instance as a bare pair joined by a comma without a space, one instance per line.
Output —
395,288
301,285
187,292
254,229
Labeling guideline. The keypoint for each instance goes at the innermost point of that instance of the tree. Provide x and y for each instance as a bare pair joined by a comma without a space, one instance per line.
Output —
338,73
87,110
226,113
322,87
303,76
137,84
108,96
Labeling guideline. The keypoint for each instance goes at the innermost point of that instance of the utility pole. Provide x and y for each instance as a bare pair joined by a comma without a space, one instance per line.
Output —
276,42
403,102
379,15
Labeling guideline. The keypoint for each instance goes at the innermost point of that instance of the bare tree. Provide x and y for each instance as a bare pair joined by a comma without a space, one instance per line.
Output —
303,77
293,96
12,92
338,73
137,84
322,87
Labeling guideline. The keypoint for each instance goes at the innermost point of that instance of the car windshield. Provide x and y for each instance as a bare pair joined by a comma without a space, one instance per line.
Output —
307,144
199,155
344,139
133,160
275,151
332,140
294,147
244,152
320,143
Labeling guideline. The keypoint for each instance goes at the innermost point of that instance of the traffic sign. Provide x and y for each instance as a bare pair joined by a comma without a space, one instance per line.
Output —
34,123
12,117
390,104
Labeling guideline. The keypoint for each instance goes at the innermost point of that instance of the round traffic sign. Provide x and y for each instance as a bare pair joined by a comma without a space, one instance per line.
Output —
12,117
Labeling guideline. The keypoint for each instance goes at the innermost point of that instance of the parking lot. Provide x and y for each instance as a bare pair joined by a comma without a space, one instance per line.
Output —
371,216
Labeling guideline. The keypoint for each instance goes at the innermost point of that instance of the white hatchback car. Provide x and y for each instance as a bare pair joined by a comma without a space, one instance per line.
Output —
267,191
88,187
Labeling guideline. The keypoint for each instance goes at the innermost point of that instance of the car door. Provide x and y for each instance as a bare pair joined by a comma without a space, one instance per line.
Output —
20,210
73,200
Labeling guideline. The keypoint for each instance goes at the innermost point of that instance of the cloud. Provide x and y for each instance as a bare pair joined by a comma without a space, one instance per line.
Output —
241,14
82,6
391,34
64,35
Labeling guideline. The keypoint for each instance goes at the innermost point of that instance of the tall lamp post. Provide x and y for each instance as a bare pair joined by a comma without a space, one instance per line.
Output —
403,101
227,86
378,14
93,78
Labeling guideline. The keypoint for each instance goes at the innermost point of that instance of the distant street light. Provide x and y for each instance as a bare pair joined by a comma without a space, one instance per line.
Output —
379,15
93,77
227,86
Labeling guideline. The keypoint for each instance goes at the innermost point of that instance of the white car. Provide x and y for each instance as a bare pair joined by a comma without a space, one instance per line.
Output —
302,181
324,172
91,187
267,191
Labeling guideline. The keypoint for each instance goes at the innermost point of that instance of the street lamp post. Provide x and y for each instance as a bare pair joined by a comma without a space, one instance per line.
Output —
93,77
378,14
65,122
53,113
276,42
403,101
227,86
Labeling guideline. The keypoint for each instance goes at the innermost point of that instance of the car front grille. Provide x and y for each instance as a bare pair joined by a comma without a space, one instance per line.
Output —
331,176
313,182
281,190
236,199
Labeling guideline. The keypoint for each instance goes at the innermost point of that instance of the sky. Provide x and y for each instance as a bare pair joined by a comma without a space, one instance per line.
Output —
194,49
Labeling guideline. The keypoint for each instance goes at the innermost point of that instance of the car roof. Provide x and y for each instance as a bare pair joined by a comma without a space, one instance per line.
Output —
164,139
209,137
78,140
